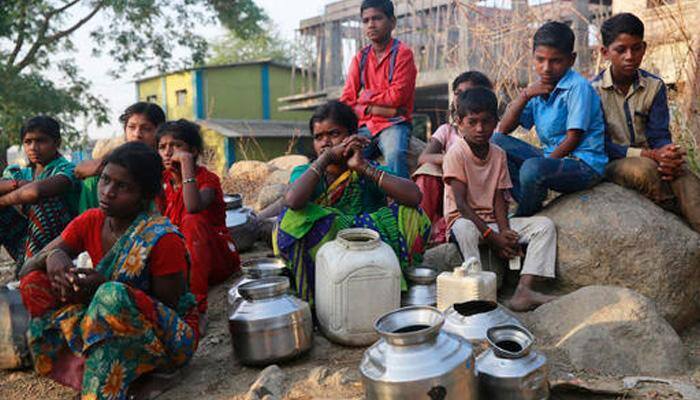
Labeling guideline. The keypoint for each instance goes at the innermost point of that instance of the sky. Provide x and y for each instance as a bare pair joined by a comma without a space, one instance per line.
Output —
120,93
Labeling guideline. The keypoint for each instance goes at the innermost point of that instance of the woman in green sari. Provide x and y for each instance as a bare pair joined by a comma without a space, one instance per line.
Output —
98,329
341,189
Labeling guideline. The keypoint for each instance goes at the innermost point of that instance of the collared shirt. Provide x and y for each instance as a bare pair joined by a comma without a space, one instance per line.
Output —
573,104
400,93
634,120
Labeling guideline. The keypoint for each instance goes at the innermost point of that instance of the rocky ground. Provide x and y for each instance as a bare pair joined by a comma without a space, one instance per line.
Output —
330,371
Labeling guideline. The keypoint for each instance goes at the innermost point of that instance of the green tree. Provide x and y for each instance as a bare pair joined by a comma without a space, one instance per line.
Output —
232,48
33,33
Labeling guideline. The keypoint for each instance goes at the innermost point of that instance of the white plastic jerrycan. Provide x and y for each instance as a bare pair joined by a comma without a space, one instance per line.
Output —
466,283
358,279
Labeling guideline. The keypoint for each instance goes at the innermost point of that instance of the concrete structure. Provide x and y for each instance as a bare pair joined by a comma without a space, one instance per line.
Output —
446,36
244,92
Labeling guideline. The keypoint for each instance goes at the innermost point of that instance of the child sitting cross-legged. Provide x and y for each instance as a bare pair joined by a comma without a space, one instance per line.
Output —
477,187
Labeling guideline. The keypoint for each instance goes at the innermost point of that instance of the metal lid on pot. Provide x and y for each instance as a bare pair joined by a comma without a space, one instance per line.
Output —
233,201
264,288
263,267
410,325
510,341
422,275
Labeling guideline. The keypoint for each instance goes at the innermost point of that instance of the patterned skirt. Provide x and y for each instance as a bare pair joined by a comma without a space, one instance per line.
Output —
122,334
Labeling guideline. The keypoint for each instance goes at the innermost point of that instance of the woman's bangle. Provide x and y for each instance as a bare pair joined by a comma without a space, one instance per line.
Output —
487,233
315,170
381,179
189,180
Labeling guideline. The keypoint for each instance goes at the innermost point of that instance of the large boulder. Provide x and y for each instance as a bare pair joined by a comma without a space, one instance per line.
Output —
288,162
279,176
270,194
610,235
609,330
250,169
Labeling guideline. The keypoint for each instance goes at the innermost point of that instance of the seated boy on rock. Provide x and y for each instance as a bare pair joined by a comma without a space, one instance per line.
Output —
638,140
566,112
477,186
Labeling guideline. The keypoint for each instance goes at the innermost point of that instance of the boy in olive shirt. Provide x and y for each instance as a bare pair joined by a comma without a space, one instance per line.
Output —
638,141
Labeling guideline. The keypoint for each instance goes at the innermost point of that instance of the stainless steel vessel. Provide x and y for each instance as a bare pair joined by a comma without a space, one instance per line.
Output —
422,289
471,320
240,222
256,268
415,359
14,322
509,370
270,325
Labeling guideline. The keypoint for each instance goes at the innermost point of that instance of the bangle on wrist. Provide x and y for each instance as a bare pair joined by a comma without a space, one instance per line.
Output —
189,180
487,232
381,179
315,170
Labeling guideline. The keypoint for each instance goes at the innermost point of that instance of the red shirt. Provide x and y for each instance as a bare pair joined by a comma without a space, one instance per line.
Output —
173,203
400,93
84,233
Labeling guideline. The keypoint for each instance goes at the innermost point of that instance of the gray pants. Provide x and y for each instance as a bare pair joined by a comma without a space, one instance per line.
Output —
539,233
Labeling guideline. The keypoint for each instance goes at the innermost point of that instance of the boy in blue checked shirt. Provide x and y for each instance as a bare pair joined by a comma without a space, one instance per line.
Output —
566,112
638,141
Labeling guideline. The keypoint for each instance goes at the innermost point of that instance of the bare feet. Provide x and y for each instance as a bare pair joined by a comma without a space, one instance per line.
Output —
526,299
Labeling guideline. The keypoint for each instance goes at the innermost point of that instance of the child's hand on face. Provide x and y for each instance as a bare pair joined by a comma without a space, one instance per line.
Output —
538,88
182,158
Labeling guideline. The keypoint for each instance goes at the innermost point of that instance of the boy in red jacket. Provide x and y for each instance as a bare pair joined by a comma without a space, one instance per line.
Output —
380,86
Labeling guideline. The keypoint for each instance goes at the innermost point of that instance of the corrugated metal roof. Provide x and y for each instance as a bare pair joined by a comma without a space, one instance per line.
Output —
256,128
205,67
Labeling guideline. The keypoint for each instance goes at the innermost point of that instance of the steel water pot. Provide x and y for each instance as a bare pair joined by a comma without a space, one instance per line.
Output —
422,289
509,369
256,268
240,222
14,322
471,320
415,359
269,325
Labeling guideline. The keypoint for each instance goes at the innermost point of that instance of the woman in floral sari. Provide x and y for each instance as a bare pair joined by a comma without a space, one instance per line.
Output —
341,189
98,329
37,201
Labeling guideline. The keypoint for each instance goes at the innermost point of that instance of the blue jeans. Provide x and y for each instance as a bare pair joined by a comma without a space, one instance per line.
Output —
392,143
533,174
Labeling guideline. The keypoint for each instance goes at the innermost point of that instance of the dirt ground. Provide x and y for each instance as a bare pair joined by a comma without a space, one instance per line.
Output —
327,372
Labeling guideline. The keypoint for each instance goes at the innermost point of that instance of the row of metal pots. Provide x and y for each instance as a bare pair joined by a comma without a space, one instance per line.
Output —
421,353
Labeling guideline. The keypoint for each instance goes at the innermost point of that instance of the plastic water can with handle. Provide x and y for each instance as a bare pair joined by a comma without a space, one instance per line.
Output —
467,282
358,279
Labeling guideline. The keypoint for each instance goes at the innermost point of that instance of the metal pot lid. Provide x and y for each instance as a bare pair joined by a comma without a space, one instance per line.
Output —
422,275
233,201
263,267
410,325
510,341
264,288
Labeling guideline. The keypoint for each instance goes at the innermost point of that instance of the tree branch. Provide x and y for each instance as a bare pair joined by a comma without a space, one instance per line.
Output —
43,40
20,35
61,34
64,8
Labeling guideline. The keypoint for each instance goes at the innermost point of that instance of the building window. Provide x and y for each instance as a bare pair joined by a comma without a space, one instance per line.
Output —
659,3
181,97
152,99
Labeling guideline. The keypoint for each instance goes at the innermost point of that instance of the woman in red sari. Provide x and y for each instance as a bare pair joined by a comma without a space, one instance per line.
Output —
194,202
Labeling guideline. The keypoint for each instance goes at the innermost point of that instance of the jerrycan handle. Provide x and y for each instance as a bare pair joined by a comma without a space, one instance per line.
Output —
471,265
